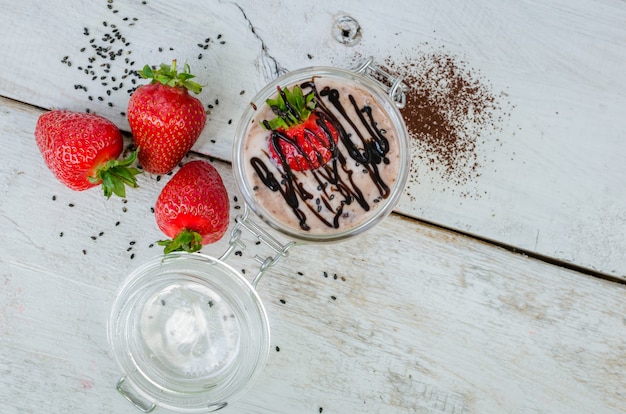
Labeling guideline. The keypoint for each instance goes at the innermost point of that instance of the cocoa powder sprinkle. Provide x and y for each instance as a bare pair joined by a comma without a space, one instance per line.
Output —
450,108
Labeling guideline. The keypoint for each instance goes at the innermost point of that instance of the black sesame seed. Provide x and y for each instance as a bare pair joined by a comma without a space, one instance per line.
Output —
277,349
71,204
84,251
54,198
283,301
61,234
333,297
132,243
117,223
124,209
325,274
93,237
132,256
162,302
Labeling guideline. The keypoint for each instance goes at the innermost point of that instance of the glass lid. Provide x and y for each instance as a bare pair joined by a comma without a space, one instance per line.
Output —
189,333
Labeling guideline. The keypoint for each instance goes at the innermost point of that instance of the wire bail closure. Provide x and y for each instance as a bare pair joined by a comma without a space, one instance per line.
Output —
243,222
393,85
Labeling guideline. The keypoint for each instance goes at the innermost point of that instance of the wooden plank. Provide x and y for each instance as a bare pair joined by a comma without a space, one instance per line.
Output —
417,319
541,170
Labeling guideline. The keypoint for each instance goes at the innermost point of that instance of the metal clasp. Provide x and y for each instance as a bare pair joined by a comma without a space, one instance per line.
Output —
143,406
242,222
391,84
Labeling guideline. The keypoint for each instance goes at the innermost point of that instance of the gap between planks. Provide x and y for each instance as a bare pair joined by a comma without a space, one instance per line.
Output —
524,252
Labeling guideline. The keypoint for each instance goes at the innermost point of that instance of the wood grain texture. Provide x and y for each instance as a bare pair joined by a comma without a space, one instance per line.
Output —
550,172
404,319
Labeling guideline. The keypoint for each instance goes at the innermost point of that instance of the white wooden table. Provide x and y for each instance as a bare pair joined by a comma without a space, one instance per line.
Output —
496,287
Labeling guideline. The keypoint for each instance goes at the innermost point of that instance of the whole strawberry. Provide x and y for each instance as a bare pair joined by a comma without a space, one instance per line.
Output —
193,208
302,138
164,118
81,150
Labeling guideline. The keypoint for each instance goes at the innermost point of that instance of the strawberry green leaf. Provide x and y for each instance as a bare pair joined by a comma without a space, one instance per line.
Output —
169,76
146,72
291,108
187,240
116,174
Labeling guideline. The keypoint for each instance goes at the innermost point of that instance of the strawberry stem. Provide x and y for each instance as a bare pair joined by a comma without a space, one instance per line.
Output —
169,76
187,240
116,174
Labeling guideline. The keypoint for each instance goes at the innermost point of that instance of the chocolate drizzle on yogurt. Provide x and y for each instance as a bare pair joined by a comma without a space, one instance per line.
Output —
362,149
